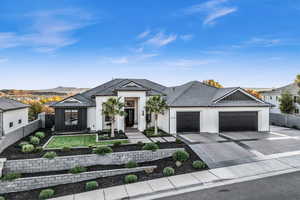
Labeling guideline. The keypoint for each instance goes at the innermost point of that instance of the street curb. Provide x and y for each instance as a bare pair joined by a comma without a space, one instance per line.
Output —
208,185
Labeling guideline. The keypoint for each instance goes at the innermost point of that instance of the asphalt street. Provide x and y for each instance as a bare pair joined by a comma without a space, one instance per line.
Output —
282,187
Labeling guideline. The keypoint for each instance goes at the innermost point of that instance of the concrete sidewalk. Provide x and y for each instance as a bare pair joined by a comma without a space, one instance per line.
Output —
172,185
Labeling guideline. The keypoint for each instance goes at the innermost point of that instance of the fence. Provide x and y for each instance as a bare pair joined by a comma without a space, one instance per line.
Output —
13,136
291,121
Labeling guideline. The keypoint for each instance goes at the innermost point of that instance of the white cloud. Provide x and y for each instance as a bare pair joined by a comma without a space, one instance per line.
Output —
50,30
211,10
161,39
122,60
263,42
143,34
3,60
187,63
187,37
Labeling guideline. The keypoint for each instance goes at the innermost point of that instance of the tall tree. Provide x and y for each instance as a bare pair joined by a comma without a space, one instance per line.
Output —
34,109
254,93
213,83
113,107
287,103
156,105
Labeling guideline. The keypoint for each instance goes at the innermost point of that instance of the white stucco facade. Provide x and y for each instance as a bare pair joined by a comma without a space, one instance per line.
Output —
209,117
14,119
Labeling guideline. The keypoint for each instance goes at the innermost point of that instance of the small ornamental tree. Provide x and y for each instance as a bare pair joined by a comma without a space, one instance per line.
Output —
156,105
112,108
287,103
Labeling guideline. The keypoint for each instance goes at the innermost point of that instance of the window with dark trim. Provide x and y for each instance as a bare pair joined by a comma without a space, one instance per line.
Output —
20,121
148,117
71,117
296,111
11,124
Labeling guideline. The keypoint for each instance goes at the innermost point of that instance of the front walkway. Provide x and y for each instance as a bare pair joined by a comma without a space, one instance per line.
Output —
210,178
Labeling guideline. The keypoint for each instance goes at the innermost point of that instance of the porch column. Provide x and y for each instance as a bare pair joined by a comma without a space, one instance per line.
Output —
142,113
121,119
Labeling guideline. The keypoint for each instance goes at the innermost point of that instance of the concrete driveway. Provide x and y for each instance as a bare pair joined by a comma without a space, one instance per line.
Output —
217,151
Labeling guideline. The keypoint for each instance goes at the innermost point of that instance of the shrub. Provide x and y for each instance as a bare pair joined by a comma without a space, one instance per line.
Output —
21,144
77,169
131,164
181,156
66,149
131,178
103,137
178,141
50,155
2,198
198,164
46,194
11,176
40,134
91,185
150,146
34,140
140,143
102,150
168,171
27,148
38,149
117,143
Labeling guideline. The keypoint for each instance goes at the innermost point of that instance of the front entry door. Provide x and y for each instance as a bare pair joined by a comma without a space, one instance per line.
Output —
129,119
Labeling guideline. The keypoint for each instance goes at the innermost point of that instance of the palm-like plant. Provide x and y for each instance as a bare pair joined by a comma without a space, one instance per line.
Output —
112,108
156,105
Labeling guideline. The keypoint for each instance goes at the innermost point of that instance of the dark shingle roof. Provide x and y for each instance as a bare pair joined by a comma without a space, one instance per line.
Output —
10,104
191,94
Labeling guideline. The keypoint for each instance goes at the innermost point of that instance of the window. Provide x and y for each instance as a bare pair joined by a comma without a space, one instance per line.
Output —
296,111
71,117
20,121
295,99
148,117
129,103
271,97
11,124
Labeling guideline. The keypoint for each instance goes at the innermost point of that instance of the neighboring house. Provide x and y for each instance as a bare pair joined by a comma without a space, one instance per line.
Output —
193,107
13,115
273,96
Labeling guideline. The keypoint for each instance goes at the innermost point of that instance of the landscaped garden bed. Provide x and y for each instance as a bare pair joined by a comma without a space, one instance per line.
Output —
66,189
149,132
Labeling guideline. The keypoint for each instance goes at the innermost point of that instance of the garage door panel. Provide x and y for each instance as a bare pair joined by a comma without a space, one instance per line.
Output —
238,121
188,122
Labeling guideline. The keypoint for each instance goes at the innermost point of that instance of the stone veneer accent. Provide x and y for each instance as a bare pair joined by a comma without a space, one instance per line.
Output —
24,184
68,162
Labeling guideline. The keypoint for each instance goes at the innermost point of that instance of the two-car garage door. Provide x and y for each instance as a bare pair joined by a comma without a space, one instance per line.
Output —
238,121
228,121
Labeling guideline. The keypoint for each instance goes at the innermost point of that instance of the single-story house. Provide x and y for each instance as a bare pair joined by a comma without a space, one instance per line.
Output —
192,107
13,115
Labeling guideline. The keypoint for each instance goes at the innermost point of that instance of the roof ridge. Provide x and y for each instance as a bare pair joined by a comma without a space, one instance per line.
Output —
184,91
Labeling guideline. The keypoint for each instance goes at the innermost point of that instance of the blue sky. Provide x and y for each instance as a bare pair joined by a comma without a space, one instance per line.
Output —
83,43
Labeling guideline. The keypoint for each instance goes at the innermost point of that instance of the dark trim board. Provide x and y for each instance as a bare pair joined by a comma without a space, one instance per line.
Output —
187,122
238,121
60,119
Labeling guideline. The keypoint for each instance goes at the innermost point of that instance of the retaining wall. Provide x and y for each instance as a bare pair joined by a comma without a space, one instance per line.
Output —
68,162
24,184
13,136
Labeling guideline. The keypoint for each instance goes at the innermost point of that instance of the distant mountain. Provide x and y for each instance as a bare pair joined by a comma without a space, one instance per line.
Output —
60,89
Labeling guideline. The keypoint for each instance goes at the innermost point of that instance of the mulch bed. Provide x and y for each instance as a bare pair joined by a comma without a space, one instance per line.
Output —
73,188
14,152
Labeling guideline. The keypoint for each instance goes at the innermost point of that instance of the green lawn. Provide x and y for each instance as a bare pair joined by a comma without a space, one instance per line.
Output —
78,141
